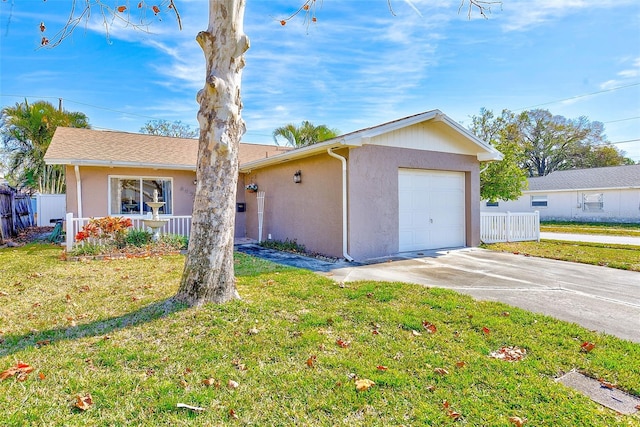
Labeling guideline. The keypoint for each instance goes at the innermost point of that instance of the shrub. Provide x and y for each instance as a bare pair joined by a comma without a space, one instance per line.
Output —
89,249
138,237
287,245
175,241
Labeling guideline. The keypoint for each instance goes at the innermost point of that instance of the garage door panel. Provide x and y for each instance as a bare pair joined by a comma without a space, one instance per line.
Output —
431,209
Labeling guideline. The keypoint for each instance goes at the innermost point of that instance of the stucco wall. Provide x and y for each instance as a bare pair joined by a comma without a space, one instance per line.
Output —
620,205
373,190
309,212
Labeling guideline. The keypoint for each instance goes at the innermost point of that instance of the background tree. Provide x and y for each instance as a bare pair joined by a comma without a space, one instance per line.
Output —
305,134
26,131
208,274
175,129
554,143
536,143
503,180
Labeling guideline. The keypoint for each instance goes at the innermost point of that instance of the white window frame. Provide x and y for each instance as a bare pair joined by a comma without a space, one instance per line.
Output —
139,178
539,201
592,202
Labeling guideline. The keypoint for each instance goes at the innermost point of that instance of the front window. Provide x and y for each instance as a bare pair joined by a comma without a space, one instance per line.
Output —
538,201
492,204
128,195
592,202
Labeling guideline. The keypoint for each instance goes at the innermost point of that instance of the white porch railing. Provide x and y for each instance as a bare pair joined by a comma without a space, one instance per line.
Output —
176,225
509,227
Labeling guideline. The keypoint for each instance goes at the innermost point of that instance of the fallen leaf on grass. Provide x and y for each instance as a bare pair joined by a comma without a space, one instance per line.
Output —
84,402
3,294
510,354
415,333
430,327
587,346
441,371
311,360
343,344
505,314
193,408
431,388
517,421
232,384
364,384
486,330
41,376
209,382
233,415
453,414
460,364
381,368
253,331
42,343
21,370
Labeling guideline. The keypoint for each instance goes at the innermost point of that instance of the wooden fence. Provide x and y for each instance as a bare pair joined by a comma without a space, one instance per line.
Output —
175,225
509,227
16,213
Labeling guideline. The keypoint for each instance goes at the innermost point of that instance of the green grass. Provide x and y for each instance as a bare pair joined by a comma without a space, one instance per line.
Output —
115,333
610,229
625,257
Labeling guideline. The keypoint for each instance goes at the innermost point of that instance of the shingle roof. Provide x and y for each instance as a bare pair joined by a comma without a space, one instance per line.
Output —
98,147
595,178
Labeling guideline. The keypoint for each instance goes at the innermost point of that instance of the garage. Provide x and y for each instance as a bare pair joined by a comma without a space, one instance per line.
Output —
431,209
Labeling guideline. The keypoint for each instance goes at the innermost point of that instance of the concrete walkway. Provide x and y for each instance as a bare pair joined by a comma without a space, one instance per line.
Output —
598,298
596,238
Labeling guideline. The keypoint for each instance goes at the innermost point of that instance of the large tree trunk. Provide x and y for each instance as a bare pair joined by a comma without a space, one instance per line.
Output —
208,273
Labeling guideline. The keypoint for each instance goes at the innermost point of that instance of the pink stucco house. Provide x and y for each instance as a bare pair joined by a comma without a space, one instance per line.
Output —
405,185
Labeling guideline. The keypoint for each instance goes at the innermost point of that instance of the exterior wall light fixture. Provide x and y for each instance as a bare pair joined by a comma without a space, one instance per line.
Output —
297,177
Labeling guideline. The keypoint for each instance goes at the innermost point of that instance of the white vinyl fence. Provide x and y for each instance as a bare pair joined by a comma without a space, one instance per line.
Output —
50,208
176,225
509,227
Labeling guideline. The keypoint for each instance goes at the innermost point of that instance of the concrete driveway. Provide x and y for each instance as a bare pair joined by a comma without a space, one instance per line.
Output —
598,298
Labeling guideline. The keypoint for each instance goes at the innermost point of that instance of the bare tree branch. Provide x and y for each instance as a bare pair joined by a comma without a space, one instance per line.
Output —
110,15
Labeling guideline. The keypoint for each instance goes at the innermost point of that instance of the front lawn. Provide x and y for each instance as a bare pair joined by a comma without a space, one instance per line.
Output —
610,229
292,352
625,257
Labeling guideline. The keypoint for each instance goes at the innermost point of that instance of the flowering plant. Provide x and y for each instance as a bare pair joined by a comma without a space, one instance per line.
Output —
252,187
111,228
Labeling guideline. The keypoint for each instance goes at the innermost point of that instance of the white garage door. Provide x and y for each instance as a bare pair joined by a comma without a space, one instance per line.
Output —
431,209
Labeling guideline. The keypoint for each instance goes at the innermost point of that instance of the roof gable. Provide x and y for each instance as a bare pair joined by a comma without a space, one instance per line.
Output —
627,176
445,135
73,146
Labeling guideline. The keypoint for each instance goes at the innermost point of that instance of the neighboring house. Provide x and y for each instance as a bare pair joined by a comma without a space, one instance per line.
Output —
405,185
610,194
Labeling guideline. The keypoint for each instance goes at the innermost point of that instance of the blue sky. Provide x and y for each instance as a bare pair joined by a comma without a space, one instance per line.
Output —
358,66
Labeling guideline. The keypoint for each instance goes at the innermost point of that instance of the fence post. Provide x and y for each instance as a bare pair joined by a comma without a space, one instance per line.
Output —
69,231
508,225
537,220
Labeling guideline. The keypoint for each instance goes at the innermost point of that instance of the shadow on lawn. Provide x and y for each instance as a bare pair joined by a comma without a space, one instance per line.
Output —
15,343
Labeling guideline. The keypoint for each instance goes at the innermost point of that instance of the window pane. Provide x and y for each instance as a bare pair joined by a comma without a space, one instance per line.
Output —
163,187
130,196
492,204
593,202
538,201
116,200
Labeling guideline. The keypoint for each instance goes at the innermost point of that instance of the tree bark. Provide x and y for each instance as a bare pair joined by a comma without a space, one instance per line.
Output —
208,274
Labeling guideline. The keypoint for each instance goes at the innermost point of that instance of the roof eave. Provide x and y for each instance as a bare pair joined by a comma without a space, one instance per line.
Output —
111,164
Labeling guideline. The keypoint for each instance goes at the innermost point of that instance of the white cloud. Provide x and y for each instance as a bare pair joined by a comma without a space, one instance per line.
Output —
626,76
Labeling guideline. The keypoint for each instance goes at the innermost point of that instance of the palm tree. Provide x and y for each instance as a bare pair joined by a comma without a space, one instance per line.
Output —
26,131
305,134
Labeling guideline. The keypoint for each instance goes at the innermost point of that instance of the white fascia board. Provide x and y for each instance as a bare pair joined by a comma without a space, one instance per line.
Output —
109,164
